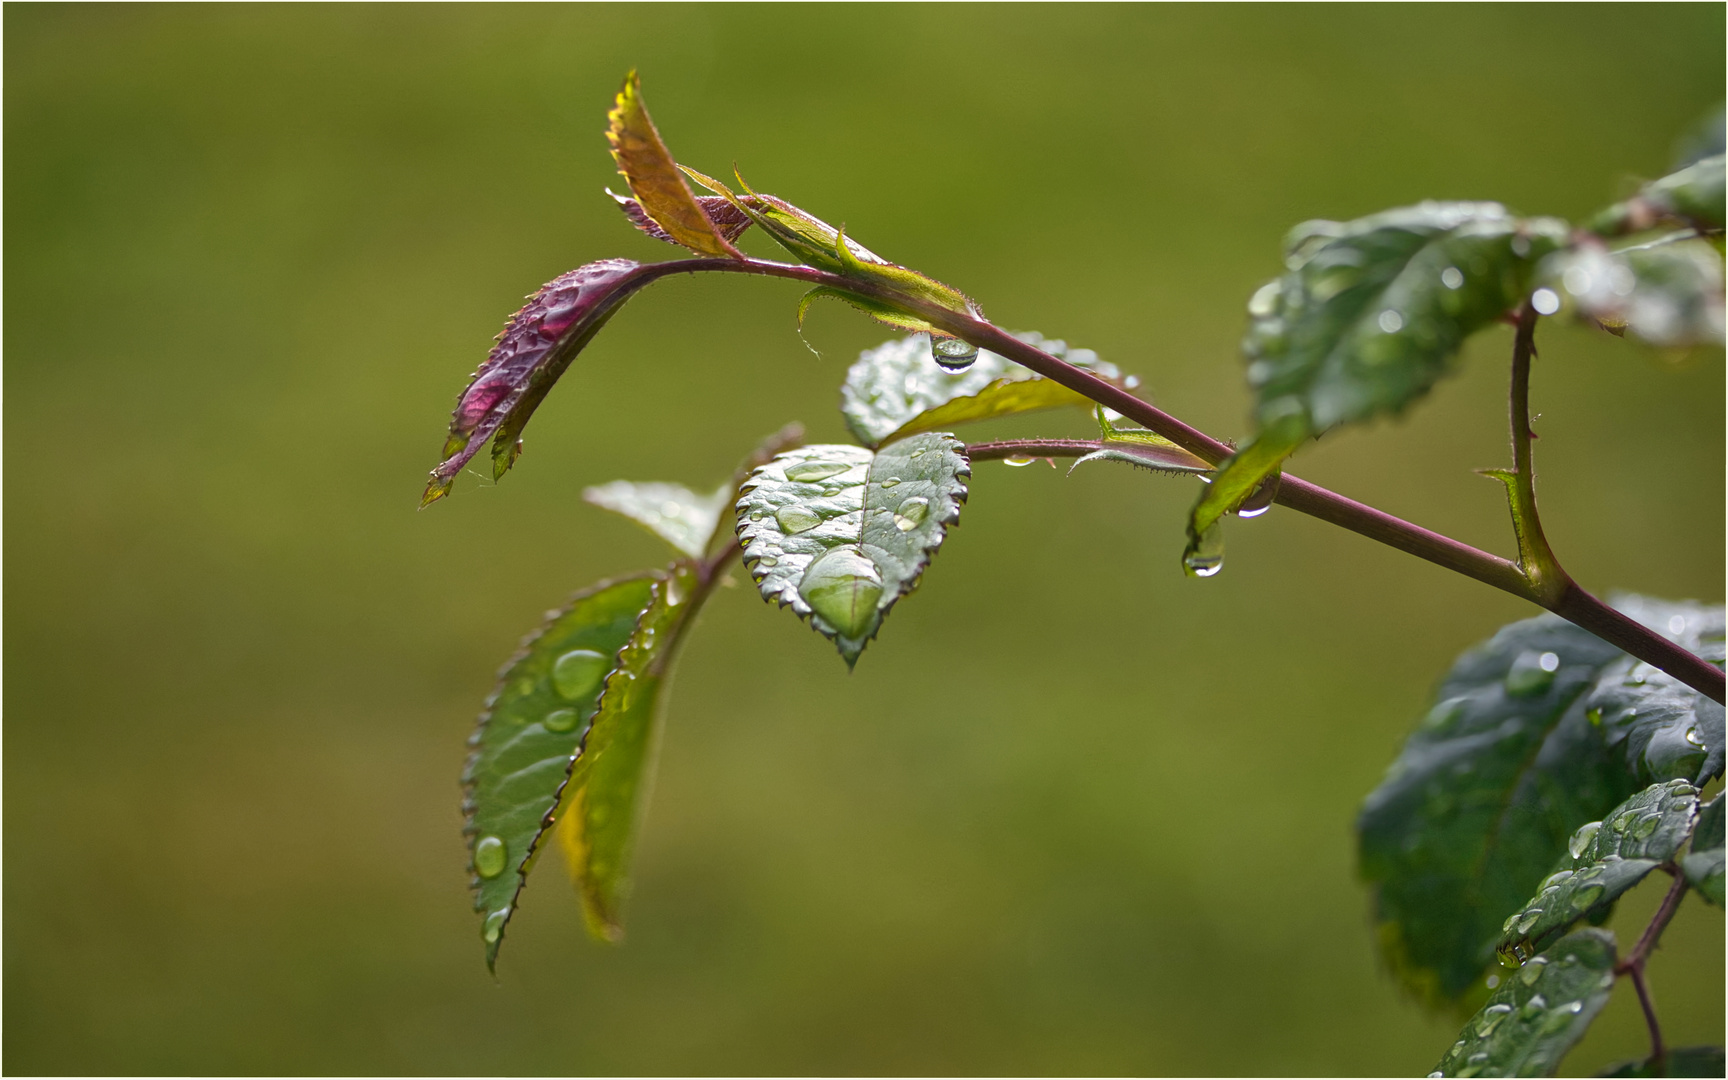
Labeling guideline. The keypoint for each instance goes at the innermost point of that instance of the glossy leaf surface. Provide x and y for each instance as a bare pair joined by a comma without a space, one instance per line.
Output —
537,345
654,178
1603,859
1668,293
898,389
672,512
1479,805
600,807
1368,316
533,724
839,534
1683,1061
1703,864
1659,727
1538,1013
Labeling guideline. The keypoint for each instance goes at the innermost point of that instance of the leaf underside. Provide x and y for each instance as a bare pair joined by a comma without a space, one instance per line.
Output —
533,724
1367,318
1478,807
1538,1013
654,179
839,534
672,512
897,389
1602,861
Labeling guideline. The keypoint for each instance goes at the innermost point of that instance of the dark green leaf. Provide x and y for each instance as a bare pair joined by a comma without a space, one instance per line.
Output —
839,533
672,512
1480,803
536,346
1660,727
1668,292
1603,859
1703,864
1691,196
1685,1061
898,389
1368,317
601,805
1538,1013
535,720
654,179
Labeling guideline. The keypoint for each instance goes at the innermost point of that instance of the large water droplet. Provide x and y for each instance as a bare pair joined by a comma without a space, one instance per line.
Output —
578,673
796,519
1646,825
911,513
560,720
1205,557
952,353
768,560
892,481
1693,738
1532,971
806,471
1531,673
1018,461
1260,499
489,855
843,587
1552,880
494,925
1585,898
1491,1018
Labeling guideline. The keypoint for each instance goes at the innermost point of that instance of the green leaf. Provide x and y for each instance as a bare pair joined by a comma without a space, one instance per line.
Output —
1658,726
839,533
536,347
654,178
1513,758
1539,1013
1668,292
601,806
1703,864
1368,317
533,724
1683,1061
898,389
1692,196
1603,860
673,512
1480,803
1145,449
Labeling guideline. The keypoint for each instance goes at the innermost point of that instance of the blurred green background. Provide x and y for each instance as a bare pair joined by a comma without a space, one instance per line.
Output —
1074,813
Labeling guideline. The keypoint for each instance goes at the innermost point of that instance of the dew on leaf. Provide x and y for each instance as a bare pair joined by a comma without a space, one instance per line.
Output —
1581,839
1586,897
578,672
489,856
796,519
892,481
911,513
560,720
952,353
843,587
494,925
806,471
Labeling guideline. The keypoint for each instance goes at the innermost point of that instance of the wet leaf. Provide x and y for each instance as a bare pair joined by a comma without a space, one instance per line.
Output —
537,345
898,389
1539,1012
839,533
1683,1061
673,512
654,179
532,725
1659,727
601,806
1692,196
1668,292
1368,317
1603,859
1480,803
1703,864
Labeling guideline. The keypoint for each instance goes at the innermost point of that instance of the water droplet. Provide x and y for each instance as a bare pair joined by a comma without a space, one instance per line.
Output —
1646,825
757,515
1260,499
677,590
1530,674
1692,737
560,720
1553,880
1622,822
1534,1006
1545,301
1532,971
1527,920
578,672
1677,624
911,513
1586,898
806,471
494,925
1435,1073
1491,1018
1452,277
1265,300
489,856
843,587
952,353
1391,321
796,519
1205,557
918,452
892,481
1017,461
1444,714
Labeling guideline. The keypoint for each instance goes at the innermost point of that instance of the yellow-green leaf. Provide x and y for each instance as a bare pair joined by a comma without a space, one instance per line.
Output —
653,176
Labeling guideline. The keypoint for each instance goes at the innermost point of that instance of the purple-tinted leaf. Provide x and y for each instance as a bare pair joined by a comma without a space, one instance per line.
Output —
536,346
730,220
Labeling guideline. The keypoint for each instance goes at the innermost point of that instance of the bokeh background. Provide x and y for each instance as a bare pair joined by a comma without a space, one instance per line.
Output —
1074,813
